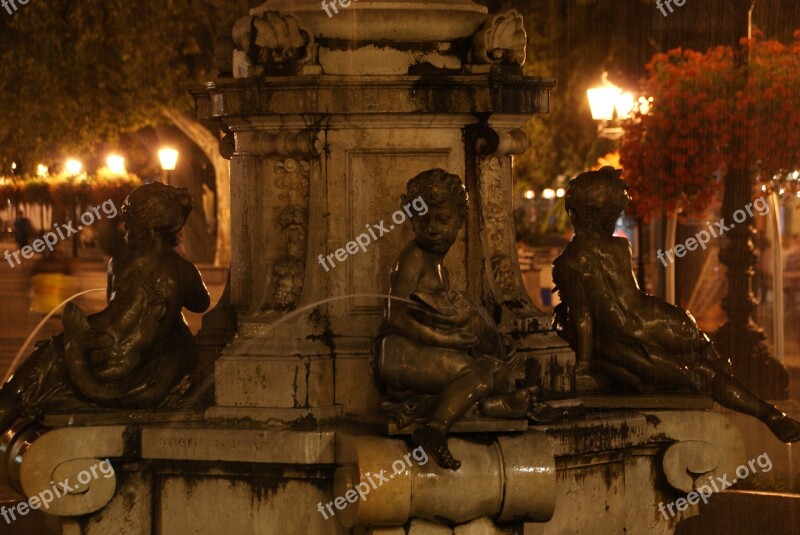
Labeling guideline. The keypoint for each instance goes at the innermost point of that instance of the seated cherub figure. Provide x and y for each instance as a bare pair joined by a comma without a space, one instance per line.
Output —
445,344
625,334
133,353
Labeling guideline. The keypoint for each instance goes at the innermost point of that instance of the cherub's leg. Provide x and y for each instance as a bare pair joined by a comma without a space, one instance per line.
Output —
731,393
471,384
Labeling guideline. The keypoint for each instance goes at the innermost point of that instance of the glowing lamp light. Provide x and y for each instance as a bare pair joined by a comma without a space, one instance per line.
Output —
560,192
530,194
116,164
624,103
603,99
549,193
41,170
168,158
73,167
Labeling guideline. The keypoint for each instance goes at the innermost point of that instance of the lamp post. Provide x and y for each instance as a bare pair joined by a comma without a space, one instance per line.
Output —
74,168
169,161
740,338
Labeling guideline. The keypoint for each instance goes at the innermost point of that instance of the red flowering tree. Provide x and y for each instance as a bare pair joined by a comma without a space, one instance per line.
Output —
675,154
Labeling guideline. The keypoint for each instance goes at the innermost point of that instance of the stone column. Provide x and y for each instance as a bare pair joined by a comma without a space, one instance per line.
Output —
330,117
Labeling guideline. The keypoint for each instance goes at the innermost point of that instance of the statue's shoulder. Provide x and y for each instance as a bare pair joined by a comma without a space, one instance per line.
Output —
573,257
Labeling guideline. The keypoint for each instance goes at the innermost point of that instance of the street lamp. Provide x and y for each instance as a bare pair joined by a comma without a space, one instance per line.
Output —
169,160
73,167
609,102
116,164
41,170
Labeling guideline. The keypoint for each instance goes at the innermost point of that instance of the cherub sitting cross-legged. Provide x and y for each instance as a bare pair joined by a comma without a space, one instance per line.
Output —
446,344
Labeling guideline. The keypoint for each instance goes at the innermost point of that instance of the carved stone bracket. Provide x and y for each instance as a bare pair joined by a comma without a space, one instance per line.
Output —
64,455
493,148
272,43
706,445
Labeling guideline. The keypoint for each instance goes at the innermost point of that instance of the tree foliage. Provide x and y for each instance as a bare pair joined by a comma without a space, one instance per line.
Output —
77,74
675,155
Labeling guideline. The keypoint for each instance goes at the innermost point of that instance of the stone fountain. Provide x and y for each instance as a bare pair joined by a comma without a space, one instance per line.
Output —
327,118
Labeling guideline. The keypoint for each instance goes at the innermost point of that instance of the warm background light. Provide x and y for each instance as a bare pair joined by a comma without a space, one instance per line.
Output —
549,193
73,167
530,194
168,158
116,164
41,170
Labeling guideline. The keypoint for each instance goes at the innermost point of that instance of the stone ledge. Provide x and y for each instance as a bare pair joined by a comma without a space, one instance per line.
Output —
238,445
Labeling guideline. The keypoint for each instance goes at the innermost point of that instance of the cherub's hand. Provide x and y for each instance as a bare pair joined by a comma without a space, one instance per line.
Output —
459,339
432,317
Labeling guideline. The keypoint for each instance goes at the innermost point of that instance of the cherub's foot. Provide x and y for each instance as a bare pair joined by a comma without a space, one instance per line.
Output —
517,404
783,427
434,442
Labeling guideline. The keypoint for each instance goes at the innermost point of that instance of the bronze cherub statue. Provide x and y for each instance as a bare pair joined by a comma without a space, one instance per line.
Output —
435,342
623,333
139,348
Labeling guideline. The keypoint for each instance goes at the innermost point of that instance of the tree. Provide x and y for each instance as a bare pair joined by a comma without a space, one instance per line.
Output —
78,75
675,154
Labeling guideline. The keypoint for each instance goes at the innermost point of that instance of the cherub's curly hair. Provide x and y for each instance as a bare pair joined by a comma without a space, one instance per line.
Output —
437,187
160,207
595,200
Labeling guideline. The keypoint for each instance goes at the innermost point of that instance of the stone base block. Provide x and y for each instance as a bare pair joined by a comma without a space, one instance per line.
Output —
290,382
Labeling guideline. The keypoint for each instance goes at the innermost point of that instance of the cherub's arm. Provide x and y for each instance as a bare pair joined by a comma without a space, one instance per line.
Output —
573,293
197,298
405,279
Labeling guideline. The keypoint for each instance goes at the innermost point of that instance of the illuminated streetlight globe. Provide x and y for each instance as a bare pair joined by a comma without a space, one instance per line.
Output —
168,158
603,99
530,194
41,170
549,193
116,164
73,167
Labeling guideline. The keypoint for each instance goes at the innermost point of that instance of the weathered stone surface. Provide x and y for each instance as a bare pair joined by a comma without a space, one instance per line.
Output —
238,445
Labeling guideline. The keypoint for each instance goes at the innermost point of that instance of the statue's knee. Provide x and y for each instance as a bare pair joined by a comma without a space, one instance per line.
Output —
485,381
